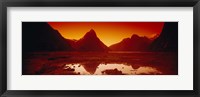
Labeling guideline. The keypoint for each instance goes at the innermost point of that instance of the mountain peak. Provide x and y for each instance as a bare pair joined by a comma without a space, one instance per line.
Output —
91,34
135,36
90,42
91,30
135,43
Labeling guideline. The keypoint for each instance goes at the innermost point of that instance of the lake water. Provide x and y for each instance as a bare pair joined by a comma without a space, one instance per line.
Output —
111,69
98,63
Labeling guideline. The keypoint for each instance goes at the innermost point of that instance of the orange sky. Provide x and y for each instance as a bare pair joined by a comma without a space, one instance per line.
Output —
108,32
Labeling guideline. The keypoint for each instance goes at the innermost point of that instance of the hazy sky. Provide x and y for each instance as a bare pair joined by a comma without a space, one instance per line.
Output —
108,32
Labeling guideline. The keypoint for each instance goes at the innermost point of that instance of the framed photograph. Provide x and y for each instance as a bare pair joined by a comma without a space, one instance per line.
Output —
92,48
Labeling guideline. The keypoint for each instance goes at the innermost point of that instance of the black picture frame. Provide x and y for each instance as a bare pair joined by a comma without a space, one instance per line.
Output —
98,3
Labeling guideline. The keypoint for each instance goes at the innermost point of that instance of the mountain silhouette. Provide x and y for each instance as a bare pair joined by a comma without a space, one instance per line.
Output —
168,39
40,36
72,42
91,66
135,43
90,42
154,37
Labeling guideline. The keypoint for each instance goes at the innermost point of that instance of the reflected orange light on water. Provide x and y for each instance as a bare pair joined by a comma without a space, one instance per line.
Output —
113,68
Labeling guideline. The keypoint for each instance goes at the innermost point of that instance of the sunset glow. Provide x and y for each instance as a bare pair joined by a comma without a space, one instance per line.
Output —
108,32
100,48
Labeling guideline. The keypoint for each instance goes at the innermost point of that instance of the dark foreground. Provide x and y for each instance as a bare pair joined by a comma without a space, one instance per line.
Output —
98,63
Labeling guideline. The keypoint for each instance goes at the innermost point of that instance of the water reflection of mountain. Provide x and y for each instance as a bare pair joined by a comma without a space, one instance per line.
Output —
135,66
112,72
90,66
95,68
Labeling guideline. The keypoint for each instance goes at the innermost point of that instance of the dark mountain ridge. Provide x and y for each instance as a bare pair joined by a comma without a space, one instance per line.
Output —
168,39
135,43
40,36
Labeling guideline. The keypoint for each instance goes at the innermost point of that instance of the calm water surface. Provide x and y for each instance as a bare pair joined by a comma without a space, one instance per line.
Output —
111,69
